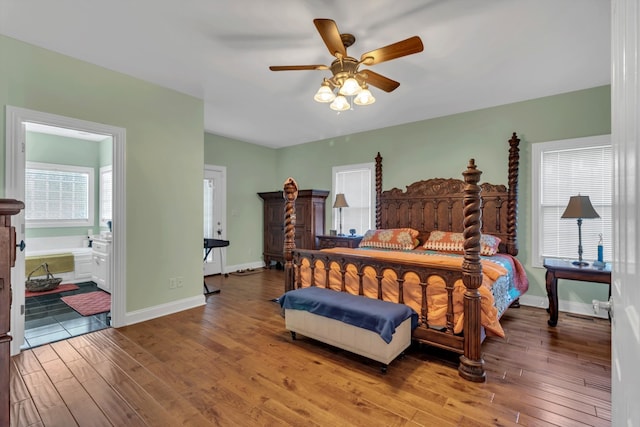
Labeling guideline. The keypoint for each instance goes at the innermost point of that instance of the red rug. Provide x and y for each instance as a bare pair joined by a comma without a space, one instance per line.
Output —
61,288
89,303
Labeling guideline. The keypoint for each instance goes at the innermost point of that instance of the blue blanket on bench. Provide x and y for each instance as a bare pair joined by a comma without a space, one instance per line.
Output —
378,316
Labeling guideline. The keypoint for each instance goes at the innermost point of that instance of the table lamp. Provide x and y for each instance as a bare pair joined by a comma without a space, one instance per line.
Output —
580,207
340,203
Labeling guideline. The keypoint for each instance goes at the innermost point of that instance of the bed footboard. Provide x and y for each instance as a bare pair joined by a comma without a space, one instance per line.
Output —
471,363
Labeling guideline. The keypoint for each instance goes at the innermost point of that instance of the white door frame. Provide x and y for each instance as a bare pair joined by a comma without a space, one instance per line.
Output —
14,189
218,255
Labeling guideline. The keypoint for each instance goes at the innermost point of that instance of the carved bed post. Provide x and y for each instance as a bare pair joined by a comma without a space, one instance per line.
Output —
471,364
512,205
378,191
290,195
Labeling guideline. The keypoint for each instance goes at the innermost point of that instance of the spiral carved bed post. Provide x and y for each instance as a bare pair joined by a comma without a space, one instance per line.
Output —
290,195
512,205
471,364
378,191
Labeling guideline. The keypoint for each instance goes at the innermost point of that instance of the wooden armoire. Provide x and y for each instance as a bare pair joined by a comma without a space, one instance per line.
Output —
8,208
309,222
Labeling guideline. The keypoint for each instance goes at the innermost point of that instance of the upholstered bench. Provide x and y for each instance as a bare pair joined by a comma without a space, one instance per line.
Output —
378,330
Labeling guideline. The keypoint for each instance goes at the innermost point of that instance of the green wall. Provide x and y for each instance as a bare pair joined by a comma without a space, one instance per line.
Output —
250,169
439,147
164,158
167,148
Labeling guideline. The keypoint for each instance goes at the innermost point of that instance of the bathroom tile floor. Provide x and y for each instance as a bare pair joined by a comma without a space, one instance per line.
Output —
48,319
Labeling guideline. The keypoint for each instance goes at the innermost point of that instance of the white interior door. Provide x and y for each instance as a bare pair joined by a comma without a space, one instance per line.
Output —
625,135
214,216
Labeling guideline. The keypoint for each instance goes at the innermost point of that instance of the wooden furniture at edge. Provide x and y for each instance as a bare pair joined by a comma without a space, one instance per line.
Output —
8,208
310,212
428,205
327,242
564,269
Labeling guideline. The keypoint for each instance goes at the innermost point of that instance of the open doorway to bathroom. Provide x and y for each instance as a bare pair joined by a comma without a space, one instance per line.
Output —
47,163
68,199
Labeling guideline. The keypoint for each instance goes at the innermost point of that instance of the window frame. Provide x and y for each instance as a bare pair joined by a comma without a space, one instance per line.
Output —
370,166
103,218
537,149
64,223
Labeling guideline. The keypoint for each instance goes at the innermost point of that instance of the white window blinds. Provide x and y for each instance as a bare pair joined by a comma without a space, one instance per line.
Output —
58,195
568,168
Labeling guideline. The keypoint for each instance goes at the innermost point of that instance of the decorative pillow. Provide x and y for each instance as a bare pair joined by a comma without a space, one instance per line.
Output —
446,241
391,238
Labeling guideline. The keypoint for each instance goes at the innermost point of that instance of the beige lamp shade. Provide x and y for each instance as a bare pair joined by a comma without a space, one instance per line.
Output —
340,202
580,207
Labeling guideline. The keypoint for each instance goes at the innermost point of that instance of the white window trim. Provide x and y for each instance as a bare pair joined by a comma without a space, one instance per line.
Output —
536,155
334,171
91,200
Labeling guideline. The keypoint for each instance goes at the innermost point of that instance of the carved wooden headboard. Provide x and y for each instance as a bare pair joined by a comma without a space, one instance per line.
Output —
437,204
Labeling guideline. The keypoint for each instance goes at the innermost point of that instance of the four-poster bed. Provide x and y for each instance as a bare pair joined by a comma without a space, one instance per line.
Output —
458,298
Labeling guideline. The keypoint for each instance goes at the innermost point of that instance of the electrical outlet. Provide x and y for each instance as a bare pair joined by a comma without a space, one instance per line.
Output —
172,283
179,281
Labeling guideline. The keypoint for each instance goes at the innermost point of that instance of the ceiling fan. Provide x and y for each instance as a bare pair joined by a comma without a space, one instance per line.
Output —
347,79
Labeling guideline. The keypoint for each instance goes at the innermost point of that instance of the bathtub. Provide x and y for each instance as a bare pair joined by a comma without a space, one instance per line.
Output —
51,246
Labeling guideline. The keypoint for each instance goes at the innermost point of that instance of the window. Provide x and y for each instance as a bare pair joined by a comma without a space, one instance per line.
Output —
106,195
58,195
357,184
567,168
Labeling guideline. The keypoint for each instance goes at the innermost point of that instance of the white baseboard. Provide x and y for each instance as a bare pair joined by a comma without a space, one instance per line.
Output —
566,306
163,309
246,266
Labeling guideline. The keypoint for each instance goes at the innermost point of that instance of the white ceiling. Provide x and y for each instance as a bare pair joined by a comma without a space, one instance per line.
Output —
477,54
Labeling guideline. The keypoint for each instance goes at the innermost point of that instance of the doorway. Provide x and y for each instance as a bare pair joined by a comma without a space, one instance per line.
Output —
17,120
215,222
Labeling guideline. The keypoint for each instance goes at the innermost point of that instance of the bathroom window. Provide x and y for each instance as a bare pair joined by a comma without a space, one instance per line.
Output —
58,195
106,195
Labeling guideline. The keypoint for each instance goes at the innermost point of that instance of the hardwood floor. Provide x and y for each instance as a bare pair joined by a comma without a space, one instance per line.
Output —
232,363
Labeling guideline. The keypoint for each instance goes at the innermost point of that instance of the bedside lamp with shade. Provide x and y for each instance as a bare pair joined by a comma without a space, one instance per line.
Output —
580,207
340,203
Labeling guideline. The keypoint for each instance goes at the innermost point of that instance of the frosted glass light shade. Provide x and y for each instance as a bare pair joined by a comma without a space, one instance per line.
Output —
340,104
364,98
324,94
350,87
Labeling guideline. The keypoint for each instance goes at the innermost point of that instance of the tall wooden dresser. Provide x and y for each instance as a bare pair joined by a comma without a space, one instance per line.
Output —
8,208
309,222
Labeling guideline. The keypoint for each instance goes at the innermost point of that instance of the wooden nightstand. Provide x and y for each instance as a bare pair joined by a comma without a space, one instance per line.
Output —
327,242
564,269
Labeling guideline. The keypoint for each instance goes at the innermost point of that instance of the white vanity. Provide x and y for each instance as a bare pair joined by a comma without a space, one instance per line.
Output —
101,257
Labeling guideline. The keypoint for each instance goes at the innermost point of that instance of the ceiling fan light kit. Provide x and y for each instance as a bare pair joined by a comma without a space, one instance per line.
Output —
364,97
324,94
347,81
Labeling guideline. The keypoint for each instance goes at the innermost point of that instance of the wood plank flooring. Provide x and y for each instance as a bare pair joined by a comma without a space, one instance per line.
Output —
232,363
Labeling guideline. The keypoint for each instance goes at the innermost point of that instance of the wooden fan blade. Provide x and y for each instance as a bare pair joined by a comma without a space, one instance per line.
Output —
396,50
297,67
331,36
380,81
